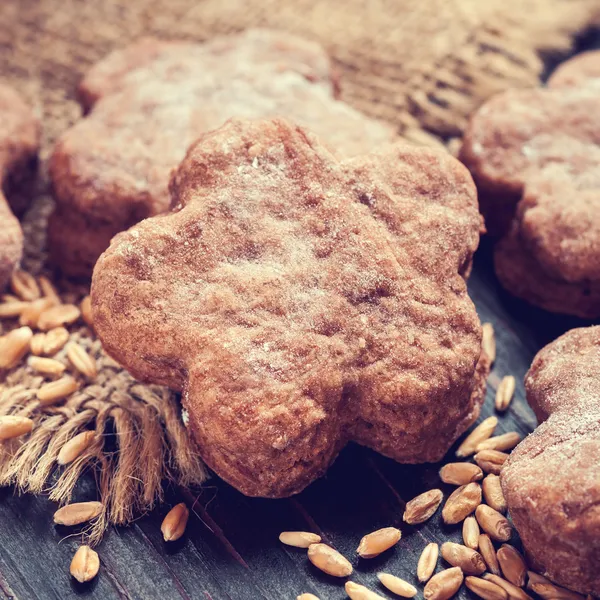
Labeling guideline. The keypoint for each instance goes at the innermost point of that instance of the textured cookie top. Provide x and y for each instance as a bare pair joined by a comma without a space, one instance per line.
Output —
150,101
296,299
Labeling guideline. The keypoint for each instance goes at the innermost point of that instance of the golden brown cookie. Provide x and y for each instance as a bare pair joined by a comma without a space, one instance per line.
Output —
552,479
19,140
535,157
301,302
150,101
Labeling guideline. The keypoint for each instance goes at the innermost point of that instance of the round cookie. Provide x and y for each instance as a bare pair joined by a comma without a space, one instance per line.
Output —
149,102
535,157
552,479
300,302
19,140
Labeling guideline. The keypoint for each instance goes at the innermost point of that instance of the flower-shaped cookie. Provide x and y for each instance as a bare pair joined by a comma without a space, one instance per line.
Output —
535,156
552,479
151,100
301,302
19,140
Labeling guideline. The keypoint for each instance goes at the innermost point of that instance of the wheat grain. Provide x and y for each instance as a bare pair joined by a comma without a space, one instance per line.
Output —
506,441
77,513
487,550
482,432
48,289
9,310
47,366
493,523
514,592
488,341
444,585
492,492
427,562
86,311
491,461
24,285
470,533
58,390
328,560
512,565
174,524
486,589
13,347
12,426
373,544
356,591
422,507
54,340
81,360
75,447
505,393
461,503
31,314
397,585
299,539
57,316
469,560
460,473
85,564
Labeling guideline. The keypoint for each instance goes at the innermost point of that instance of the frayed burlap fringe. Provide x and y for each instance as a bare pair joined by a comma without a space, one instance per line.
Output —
139,443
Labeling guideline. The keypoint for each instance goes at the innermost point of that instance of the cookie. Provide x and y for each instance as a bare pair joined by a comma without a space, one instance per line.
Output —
19,140
552,479
535,156
149,102
576,71
300,302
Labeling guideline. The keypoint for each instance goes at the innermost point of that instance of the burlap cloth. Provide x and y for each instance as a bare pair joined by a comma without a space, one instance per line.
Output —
415,63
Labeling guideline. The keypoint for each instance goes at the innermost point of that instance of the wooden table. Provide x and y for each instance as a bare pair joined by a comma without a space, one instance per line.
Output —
231,548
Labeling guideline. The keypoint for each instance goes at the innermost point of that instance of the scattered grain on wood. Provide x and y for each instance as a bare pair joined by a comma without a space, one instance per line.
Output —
493,523
85,564
514,592
491,461
356,591
376,542
470,533
461,503
487,550
486,589
469,560
492,493
422,507
299,539
488,341
444,585
482,432
174,524
506,441
427,562
329,561
77,513
397,585
460,473
505,393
